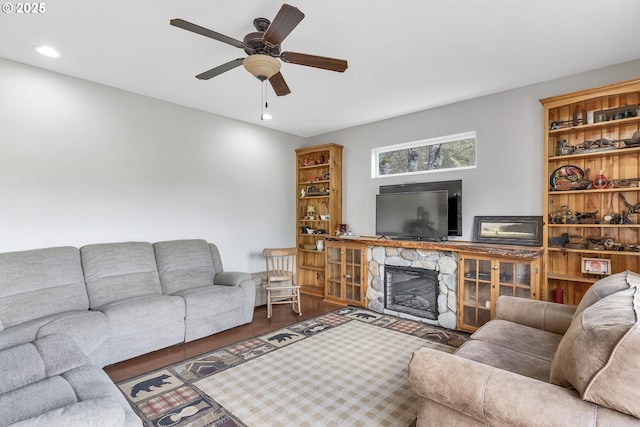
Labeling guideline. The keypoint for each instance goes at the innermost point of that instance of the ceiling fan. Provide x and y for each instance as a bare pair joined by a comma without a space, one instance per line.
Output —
263,47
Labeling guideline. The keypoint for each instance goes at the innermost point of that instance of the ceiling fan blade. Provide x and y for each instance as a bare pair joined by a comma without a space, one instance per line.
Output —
286,20
186,25
220,69
279,85
330,64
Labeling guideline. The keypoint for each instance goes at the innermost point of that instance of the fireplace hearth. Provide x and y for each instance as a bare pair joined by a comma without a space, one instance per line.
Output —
411,290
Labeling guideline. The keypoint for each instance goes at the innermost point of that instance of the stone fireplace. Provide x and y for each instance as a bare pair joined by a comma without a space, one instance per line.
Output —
442,265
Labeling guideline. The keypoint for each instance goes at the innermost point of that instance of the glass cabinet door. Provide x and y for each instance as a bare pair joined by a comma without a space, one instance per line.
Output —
334,269
483,280
353,279
346,273
515,279
476,291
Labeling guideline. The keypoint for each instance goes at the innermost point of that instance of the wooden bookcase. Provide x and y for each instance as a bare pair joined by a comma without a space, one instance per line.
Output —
318,210
596,128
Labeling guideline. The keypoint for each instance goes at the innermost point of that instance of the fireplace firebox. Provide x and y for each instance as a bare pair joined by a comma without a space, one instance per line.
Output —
412,291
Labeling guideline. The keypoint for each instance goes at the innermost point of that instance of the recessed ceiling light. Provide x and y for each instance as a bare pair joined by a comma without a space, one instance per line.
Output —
47,51
266,116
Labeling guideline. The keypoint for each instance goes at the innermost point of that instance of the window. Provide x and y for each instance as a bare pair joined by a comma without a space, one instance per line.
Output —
428,155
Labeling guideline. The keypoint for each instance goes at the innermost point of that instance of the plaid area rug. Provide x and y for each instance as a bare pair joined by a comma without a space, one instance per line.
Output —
347,367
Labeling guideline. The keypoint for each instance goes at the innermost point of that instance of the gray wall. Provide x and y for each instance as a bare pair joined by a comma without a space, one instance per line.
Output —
84,163
508,179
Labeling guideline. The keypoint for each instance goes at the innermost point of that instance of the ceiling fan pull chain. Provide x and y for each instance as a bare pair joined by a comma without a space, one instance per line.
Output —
264,104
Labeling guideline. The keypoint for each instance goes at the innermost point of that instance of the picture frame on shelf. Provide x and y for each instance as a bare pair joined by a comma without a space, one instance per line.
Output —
508,230
599,266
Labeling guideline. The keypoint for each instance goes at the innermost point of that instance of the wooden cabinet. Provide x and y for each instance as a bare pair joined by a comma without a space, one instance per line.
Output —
346,272
318,210
589,133
481,280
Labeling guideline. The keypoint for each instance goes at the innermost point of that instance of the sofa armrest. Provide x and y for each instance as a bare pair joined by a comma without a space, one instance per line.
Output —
230,278
544,315
501,398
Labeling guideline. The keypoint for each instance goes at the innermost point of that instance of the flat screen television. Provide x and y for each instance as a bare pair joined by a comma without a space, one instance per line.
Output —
454,187
418,216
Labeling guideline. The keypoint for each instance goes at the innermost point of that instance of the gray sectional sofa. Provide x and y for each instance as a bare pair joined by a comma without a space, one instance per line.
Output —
105,303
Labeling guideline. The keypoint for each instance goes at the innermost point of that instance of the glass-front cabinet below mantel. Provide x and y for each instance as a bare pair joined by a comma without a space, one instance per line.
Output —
483,279
346,274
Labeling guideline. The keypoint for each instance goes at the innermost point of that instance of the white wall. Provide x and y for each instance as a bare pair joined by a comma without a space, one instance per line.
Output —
83,163
508,179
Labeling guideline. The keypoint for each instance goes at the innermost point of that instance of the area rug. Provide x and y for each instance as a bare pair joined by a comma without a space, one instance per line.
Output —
347,367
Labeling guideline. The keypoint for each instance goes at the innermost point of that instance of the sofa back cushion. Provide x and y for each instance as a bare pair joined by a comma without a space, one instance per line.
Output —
39,283
607,286
115,271
184,264
600,353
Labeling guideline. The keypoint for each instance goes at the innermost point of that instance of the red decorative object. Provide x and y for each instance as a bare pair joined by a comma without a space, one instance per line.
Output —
601,181
558,296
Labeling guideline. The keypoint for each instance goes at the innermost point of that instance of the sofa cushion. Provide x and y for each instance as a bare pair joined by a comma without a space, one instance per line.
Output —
506,359
523,339
598,355
607,286
207,300
184,264
115,271
143,324
89,330
48,380
105,412
39,283
133,315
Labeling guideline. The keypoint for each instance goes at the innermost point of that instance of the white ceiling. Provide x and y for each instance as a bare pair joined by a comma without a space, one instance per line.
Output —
404,56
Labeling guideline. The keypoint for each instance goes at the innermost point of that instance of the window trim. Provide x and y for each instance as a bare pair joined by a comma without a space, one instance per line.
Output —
375,152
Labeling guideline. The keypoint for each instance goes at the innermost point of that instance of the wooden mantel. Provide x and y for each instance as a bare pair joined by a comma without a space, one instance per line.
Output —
525,252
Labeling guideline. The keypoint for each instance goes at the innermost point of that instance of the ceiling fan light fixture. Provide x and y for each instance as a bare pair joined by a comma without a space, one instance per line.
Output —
263,67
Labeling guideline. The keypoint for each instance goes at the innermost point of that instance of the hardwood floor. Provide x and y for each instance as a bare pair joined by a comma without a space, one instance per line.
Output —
312,306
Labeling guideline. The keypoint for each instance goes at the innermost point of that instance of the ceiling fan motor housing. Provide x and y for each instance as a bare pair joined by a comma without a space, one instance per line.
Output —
254,43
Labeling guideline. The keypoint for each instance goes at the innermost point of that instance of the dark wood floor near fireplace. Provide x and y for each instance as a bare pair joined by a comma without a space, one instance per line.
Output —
312,306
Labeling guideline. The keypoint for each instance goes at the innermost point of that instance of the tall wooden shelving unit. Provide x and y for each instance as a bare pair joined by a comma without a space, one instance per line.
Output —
584,215
319,178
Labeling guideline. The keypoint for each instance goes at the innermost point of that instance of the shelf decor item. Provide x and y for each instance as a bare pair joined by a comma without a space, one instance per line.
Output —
596,266
600,181
566,177
508,230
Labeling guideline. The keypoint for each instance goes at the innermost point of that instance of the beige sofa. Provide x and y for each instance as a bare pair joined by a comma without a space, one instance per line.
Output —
541,364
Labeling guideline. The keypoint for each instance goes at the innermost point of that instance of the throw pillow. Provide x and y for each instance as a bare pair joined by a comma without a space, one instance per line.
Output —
607,286
599,354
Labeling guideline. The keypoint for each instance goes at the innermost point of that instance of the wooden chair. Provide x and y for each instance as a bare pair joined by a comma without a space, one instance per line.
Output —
281,279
